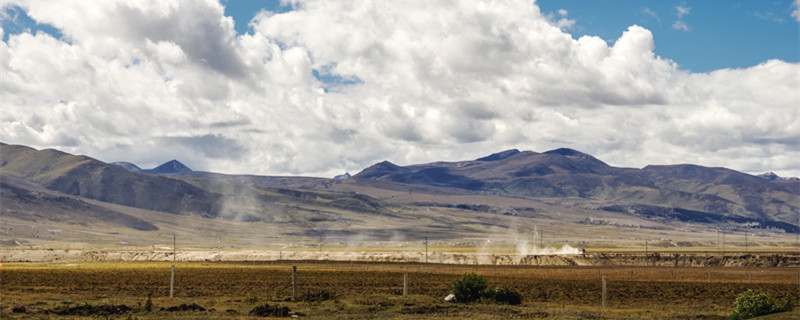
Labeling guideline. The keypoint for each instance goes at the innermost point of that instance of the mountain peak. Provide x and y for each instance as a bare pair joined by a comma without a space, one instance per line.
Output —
500,155
566,152
572,153
380,169
344,176
773,176
170,167
769,176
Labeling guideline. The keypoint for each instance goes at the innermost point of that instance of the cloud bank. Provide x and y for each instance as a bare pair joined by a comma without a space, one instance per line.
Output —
334,86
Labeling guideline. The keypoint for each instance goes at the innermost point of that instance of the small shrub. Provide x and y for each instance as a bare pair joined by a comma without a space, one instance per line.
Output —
184,307
469,287
752,304
269,311
317,296
503,295
148,306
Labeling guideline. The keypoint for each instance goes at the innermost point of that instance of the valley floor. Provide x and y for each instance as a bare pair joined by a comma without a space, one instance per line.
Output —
370,290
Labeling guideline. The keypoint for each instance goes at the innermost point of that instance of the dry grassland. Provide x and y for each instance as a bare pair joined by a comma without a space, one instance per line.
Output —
374,290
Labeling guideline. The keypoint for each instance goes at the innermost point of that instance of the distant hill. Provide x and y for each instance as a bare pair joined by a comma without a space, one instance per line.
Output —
167,168
89,178
773,176
573,174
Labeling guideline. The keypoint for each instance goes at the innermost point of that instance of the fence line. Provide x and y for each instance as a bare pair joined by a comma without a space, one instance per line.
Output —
763,275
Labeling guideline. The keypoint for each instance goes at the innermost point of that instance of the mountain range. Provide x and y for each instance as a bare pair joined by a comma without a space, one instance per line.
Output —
567,173
503,193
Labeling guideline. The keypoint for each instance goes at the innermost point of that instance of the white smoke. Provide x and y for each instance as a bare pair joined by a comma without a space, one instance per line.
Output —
532,243
526,248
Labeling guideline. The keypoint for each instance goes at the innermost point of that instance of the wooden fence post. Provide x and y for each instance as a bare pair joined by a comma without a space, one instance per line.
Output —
604,292
171,281
405,285
709,277
294,283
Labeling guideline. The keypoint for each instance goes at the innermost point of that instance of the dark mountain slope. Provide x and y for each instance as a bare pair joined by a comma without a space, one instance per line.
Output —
26,201
87,177
240,198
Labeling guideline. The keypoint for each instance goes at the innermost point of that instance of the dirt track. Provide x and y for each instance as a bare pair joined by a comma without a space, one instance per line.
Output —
593,259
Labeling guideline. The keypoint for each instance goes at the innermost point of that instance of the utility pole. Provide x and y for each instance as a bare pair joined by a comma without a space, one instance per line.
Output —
723,241
174,250
426,249
745,242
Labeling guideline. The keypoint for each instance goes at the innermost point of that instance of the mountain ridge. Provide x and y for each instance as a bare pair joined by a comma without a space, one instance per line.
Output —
167,168
570,173
502,191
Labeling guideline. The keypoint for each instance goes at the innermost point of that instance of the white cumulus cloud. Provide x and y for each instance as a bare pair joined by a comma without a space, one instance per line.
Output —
796,11
680,25
149,81
682,11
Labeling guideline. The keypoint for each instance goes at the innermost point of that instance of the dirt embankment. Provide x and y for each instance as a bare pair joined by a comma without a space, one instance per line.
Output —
593,259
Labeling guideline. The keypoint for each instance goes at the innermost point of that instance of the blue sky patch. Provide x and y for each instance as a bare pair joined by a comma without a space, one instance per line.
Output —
15,21
700,36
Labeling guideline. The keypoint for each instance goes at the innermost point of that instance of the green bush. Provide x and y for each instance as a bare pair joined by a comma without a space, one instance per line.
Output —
503,295
752,304
469,287
785,304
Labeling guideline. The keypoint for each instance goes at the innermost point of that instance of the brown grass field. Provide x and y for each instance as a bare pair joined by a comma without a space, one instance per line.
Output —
359,290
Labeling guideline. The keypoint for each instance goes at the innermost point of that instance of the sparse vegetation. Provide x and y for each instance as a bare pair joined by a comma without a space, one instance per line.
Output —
374,290
317,295
269,311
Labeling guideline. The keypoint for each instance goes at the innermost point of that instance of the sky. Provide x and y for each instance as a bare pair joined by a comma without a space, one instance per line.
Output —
320,88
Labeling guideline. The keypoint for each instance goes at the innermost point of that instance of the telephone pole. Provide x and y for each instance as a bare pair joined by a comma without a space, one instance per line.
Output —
426,249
